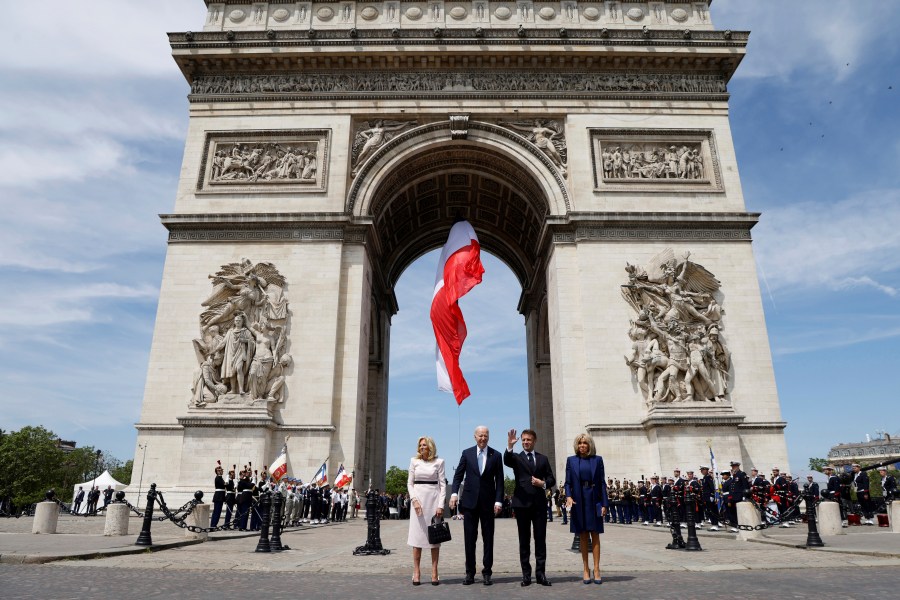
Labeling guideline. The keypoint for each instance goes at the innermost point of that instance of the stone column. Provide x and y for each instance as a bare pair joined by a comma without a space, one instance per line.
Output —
894,516
199,517
748,514
829,519
46,516
116,519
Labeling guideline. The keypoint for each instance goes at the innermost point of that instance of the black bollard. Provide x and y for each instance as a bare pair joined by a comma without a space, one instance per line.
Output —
144,538
275,542
813,539
373,521
576,543
50,495
120,496
692,543
265,501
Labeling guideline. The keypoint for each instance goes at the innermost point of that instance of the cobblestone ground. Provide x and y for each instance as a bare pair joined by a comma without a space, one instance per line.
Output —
320,563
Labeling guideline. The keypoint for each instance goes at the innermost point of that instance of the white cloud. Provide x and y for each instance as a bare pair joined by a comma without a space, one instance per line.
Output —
852,243
821,37
43,305
98,39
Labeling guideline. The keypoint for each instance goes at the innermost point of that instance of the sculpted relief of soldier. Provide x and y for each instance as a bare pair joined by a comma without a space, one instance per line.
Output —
677,352
264,162
243,334
652,161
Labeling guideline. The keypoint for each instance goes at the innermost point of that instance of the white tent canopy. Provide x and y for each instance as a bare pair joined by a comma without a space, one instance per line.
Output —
102,482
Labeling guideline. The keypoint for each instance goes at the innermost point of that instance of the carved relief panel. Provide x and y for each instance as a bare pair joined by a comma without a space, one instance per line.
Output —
242,347
663,160
271,161
678,352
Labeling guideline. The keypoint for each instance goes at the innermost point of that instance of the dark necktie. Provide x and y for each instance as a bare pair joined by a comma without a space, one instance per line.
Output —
531,459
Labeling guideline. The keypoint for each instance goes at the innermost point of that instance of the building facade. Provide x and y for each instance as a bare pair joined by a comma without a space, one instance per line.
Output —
331,144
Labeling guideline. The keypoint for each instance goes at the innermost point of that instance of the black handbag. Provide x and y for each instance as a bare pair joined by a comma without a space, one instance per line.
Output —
438,531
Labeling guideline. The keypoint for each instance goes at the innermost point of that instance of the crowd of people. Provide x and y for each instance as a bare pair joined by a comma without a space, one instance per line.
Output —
303,503
585,501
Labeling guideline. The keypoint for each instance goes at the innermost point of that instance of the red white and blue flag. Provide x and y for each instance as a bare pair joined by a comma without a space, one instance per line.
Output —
342,478
279,465
321,476
459,270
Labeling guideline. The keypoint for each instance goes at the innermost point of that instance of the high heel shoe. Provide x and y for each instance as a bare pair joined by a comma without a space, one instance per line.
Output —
588,580
436,581
417,581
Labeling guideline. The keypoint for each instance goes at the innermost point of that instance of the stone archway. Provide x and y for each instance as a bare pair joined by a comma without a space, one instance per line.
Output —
412,193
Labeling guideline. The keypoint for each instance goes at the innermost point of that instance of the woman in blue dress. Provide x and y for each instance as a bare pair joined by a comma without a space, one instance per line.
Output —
587,501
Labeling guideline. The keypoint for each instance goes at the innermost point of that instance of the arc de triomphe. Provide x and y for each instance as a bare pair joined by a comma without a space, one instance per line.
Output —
330,144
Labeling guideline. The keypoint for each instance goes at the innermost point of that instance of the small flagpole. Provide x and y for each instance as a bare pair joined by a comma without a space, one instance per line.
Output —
458,428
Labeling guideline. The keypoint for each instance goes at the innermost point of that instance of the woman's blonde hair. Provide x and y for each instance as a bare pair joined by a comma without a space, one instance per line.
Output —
432,449
592,449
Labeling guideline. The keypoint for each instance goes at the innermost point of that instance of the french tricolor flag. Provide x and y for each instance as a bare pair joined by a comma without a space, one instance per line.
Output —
459,270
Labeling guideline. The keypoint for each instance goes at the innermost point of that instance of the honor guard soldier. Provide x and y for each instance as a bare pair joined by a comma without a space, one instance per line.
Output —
693,488
644,502
708,486
832,492
812,487
611,513
861,481
757,479
781,492
656,501
218,498
888,484
244,500
678,497
670,507
728,500
230,497
627,501
667,498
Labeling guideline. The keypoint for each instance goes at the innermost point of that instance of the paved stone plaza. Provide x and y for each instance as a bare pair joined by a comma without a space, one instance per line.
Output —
863,564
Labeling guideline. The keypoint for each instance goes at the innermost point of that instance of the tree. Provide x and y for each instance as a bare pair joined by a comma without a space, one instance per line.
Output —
30,464
122,473
509,485
817,464
395,480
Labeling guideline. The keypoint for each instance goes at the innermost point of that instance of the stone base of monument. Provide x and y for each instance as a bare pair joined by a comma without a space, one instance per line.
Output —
116,519
894,515
46,516
199,517
828,519
748,515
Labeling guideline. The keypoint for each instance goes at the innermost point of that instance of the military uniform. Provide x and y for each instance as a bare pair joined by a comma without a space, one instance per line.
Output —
861,481
230,498
218,498
656,502
708,487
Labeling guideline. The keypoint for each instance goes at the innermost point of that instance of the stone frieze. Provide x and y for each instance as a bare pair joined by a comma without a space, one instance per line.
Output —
458,83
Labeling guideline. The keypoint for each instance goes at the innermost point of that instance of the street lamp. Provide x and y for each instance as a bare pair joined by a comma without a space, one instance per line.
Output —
141,480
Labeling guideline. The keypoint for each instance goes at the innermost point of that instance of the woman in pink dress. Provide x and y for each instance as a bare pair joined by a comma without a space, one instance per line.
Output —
427,487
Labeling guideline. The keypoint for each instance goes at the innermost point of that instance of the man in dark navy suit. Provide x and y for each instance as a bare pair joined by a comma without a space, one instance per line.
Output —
534,477
482,469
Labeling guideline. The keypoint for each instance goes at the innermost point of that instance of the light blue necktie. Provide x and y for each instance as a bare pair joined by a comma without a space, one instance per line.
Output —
481,462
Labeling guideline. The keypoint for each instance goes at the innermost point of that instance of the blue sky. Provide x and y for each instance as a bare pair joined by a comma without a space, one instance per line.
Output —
91,138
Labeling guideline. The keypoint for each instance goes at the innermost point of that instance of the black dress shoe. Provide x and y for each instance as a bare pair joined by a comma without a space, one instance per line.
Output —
469,580
543,581
526,581
487,580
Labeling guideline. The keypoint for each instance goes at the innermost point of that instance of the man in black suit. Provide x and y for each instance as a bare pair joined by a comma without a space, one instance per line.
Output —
533,477
482,497
79,498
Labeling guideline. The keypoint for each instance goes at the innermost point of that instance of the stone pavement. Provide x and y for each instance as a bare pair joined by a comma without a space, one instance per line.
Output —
328,549
321,565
